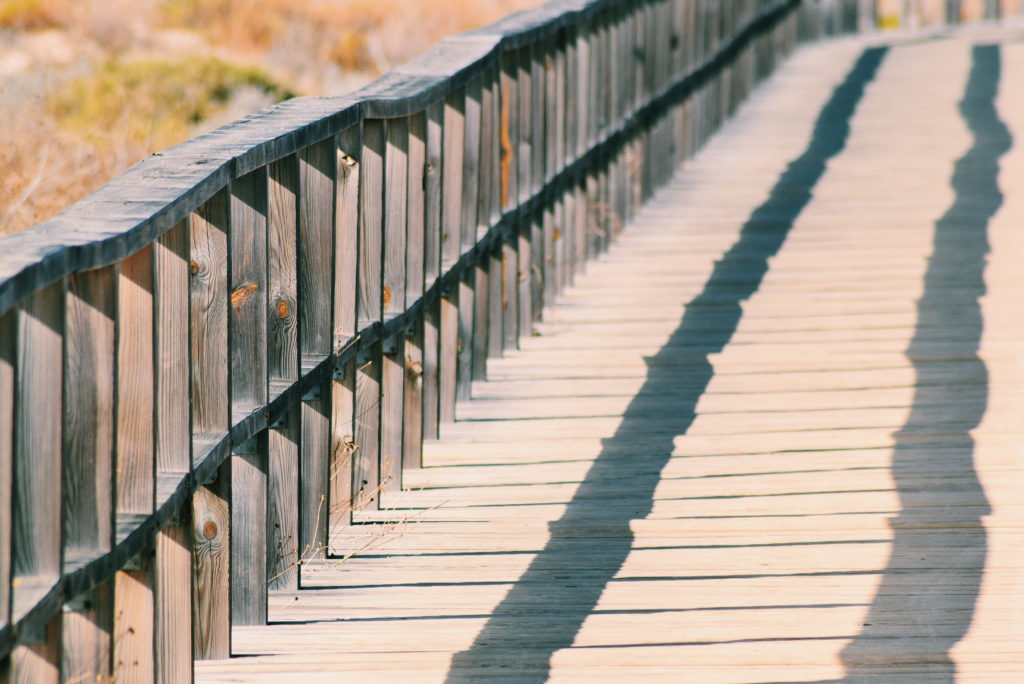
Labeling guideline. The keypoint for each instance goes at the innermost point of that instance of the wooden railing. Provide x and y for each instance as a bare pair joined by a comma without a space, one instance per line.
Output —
243,341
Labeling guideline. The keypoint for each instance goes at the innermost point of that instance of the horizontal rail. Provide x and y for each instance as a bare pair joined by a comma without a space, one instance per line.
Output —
240,344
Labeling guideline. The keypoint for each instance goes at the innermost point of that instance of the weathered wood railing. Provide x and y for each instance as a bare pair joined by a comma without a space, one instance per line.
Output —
225,352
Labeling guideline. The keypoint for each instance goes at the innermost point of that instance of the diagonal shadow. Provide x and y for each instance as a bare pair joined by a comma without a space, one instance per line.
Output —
933,577
588,545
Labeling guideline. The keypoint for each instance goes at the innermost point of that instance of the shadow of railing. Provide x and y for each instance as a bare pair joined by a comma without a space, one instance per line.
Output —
545,608
925,601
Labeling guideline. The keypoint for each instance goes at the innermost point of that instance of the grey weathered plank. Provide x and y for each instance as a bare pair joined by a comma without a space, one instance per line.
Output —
248,286
135,400
133,622
432,244
209,318
346,237
283,502
248,534
371,222
173,602
412,345
86,626
314,461
342,442
452,183
88,461
36,660
318,251
412,430
284,309
481,319
89,428
8,359
211,568
37,434
396,195
171,337
366,474
448,357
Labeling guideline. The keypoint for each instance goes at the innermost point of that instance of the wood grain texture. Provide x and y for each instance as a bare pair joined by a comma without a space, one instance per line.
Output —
37,660
448,358
314,462
396,200
489,165
249,534
524,95
209,317
133,622
318,197
432,245
283,307
366,473
8,359
171,336
330,504
472,177
37,435
415,237
211,568
89,421
495,308
173,603
392,420
283,502
86,644
371,222
481,319
412,414
247,316
346,238
466,329
135,376
508,107
453,178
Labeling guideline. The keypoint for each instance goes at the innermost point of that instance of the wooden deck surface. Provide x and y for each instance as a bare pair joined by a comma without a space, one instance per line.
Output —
770,436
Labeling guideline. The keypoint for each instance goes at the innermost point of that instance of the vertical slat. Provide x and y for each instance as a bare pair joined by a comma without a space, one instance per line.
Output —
37,456
211,626
366,456
396,195
314,442
248,345
432,200
328,230
172,569
451,241
136,468
249,465
248,292
211,552
209,321
328,503
174,603
88,463
282,502
481,318
527,123
8,357
412,346
471,190
284,312
283,304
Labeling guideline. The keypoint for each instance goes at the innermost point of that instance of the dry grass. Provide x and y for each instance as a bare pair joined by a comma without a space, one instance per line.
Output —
144,73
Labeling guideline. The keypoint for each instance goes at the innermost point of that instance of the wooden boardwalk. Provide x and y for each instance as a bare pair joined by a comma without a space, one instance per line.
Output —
774,434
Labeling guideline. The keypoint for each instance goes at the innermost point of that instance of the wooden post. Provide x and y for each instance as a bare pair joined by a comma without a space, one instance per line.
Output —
331,507
396,195
432,244
211,619
88,464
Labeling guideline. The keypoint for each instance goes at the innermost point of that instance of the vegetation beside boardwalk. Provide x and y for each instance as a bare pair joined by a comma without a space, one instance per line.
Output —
89,87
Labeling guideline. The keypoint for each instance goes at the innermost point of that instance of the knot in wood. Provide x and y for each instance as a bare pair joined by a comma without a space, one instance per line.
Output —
239,296
209,529
195,266
282,309
387,295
